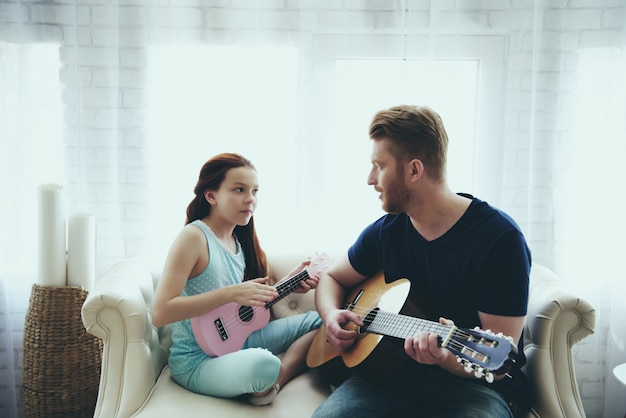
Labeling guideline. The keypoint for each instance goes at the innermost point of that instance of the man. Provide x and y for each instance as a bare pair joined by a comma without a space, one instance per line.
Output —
468,265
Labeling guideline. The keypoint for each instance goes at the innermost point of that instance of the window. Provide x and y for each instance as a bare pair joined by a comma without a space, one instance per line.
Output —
306,128
364,86
208,100
31,123
592,171
361,74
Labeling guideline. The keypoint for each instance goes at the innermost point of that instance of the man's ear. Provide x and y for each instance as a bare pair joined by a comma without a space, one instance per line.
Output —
417,168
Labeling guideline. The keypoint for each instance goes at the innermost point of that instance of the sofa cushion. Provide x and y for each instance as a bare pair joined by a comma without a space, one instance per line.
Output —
167,398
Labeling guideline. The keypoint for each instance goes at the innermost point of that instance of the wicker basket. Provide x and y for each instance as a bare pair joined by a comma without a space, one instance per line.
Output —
61,364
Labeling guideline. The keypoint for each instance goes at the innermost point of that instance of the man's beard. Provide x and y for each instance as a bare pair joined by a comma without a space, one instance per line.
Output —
396,197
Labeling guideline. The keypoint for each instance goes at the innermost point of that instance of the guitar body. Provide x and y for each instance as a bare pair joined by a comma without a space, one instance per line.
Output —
217,340
377,357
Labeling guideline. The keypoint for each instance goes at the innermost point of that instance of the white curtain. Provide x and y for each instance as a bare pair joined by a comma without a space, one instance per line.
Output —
122,102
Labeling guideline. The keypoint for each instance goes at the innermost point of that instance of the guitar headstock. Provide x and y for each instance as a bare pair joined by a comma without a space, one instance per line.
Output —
482,352
319,264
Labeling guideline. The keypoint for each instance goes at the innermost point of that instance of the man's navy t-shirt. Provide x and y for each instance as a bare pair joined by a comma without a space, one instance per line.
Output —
481,264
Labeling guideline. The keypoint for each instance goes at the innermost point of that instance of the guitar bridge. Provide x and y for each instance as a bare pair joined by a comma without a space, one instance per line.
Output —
221,329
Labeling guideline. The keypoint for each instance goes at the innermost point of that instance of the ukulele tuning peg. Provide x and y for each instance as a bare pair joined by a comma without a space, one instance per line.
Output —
479,372
489,377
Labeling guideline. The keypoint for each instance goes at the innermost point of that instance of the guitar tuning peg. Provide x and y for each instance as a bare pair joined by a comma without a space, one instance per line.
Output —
479,372
468,367
489,377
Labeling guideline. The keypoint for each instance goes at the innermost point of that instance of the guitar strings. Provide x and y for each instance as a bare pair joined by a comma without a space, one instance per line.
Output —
288,286
236,320
409,326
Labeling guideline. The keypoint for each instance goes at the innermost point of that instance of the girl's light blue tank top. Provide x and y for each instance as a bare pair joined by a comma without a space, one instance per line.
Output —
224,269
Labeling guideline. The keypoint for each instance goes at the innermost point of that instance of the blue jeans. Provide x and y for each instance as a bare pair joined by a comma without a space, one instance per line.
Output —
255,367
438,396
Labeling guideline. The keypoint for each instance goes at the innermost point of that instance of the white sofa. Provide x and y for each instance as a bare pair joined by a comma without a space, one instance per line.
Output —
135,379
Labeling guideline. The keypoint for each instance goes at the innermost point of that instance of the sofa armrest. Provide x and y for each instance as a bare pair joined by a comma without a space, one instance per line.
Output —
116,311
557,319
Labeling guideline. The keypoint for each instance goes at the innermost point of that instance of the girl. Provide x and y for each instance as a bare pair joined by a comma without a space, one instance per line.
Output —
217,259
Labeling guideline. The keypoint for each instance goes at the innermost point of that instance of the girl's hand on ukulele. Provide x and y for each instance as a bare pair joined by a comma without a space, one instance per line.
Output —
255,292
308,284
305,285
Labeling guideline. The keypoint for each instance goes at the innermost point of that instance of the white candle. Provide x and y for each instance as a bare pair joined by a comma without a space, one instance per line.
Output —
81,250
52,264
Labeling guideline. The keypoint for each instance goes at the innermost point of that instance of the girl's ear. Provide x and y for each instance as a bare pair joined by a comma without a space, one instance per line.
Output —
209,196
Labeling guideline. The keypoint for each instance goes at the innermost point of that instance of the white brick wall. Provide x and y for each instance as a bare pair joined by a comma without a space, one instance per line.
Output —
11,356
112,69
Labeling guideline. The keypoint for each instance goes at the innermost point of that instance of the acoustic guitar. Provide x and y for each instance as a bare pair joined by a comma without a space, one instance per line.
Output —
377,303
225,329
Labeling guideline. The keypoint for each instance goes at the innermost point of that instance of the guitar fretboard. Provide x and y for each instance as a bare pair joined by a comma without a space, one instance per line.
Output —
402,326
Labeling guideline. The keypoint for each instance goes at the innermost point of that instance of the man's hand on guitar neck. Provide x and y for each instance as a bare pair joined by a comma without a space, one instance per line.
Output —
425,348
341,328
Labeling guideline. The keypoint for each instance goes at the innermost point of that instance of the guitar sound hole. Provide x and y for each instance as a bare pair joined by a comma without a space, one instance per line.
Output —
367,321
246,313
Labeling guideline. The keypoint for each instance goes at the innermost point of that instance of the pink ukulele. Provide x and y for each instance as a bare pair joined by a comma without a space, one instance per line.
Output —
225,329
